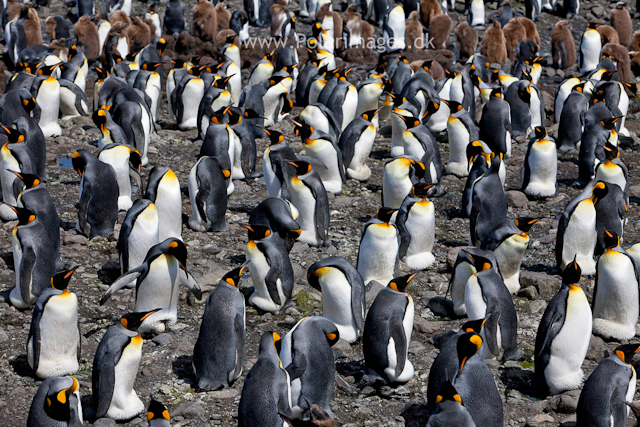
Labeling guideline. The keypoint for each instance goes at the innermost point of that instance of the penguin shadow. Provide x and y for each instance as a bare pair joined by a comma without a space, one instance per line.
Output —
183,369
67,225
522,380
21,367
379,154
415,415
109,272
7,257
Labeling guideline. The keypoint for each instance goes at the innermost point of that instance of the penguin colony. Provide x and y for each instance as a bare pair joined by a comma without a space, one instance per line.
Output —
132,75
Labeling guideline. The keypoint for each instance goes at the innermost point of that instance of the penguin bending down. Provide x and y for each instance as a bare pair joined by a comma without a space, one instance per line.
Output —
280,216
615,293
509,242
98,211
56,403
53,346
266,394
270,269
156,282
563,336
379,246
306,354
218,355
605,393
163,189
387,333
309,197
539,175
450,410
208,194
577,231
343,295
416,223
485,294
138,234
115,367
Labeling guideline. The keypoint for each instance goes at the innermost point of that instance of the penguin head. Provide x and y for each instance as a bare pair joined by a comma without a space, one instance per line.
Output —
526,76
540,132
467,346
633,87
60,281
233,277
29,180
25,216
426,65
29,103
432,108
421,189
78,161
316,30
14,136
251,114
302,167
524,224
579,87
160,45
157,411
57,400
610,123
218,116
611,239
525,94
369,115
132,321
178,63
481,263
496,93
135,159
626,352
103,73
448,393
599,191
151,66
607,76
454,106
100,118
476,148
195,60
303,130
384,214
177,249
592,25
474,325
572,274
611,152
73,52
270,340
449,74
399,284
275,137
258,232
409,121
287,105
47,70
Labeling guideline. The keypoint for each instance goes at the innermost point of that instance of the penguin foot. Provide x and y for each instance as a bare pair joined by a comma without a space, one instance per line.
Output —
610,330
515,354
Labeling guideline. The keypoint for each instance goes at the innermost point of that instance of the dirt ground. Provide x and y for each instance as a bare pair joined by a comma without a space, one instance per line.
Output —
166,362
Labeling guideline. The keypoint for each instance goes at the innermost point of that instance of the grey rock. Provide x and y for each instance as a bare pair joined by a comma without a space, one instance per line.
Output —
530,293
422,325
104,422
597,349
225,393
190,410
162,339
539,420
566,403
517,199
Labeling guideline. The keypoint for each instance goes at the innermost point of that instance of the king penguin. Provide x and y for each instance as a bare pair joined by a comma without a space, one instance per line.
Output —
539,175
343,294
156,281
590,49
163,189
416,222
379,246
53,345
495,124
563,336
310,198
56,403
115,368
400,175
387,333
270,268
306,354
488,204
461,131
463,268
605,393
46,91
138,234
218,355
208,194
356,142
126,162
157,413
615,293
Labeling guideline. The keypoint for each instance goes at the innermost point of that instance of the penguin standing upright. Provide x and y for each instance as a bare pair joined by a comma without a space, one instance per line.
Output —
174,21
603,398
310,198
270,269
400,175
495,124
356,142
590,48
571,121
46,90
208,194
138,234
615,293
156,281
98,211
394,28
306,349
266,394
280,216
416,223
53,346
343,295
563,336
56,403
475,384
463,268
163,189
485,294
539,175
461,131
218,355
488,204
379,246
15,156
577,231
115,367
186,98
387,333
126,162
509,242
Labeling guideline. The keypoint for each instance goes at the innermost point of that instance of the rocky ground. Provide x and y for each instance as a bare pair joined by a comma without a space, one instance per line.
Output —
166,362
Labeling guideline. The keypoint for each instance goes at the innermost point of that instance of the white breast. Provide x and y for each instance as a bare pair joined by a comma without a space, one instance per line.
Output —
302,198
378,253
336,302
580,237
